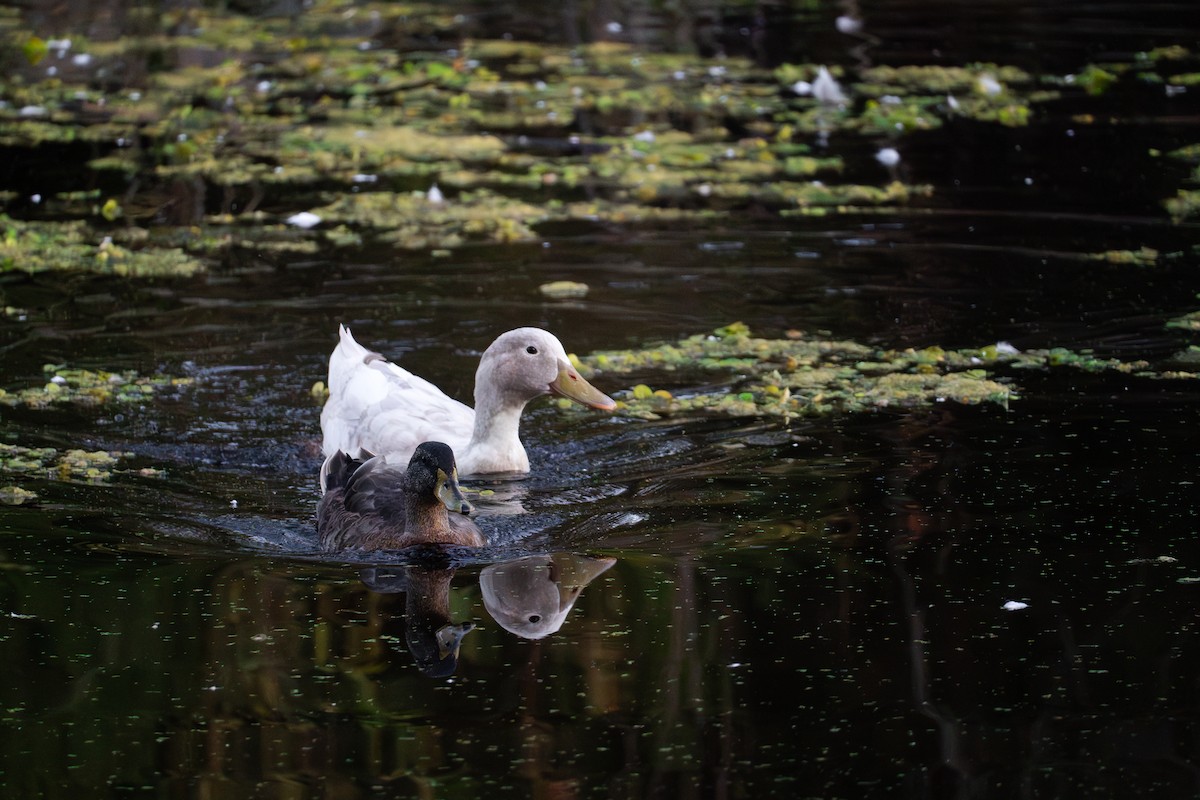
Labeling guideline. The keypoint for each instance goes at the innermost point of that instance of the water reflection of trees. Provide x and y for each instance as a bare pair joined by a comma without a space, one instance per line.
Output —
309,678
828,630
1075,686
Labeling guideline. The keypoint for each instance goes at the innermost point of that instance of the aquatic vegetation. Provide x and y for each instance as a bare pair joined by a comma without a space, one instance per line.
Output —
1185,204
260,107
1187,322
25,460
793,376
40,246
1189,152
89,388
1142,257
93,466
564,290
382,146
846,196
79,387
51,463
802,376
1095,80
1172,52
15,496
907,98
901,115
942,80
411,221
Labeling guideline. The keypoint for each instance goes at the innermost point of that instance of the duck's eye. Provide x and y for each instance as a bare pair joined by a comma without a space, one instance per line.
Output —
531,350
535,618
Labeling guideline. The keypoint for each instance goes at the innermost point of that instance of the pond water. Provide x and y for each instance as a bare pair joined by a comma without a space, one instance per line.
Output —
925,600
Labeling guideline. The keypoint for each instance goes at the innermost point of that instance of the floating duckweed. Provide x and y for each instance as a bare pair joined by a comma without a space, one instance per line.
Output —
279,103
35,49
563,290
917,97
378,145
800,376
1189,152
413,222
40,246
733,329
1172,52
47,462
15,495
1186,203
911,115
91,466
1142,257
88,388
1188,322
939,79
24,460
111,210
1095,80
846,196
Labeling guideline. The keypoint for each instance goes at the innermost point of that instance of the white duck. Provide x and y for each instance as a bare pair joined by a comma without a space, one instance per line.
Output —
377,406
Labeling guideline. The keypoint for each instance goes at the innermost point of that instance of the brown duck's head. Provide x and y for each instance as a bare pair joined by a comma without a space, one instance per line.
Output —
433,474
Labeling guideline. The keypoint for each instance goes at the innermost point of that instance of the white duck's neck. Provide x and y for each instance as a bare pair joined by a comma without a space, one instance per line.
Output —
495,440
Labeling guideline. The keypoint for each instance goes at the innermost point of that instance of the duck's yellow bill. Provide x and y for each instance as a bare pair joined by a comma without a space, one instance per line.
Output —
571,384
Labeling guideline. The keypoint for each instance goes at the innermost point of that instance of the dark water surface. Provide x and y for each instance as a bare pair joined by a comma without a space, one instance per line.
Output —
815,609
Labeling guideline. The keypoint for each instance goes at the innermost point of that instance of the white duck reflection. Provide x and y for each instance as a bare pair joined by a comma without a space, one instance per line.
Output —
532,596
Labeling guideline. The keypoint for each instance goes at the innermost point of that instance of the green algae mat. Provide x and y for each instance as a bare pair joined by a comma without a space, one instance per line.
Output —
209,131
798,376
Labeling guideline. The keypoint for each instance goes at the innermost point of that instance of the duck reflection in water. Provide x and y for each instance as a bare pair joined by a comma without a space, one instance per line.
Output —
432,636
369,504
529,596
532,596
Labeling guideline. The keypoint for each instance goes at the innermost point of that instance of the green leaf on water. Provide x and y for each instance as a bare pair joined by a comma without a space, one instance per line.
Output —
35,49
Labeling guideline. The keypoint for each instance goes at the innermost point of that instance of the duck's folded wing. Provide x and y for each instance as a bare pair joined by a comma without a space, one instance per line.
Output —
376,488
378,406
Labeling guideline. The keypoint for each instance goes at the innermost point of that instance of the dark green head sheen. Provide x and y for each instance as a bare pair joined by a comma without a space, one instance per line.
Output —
432,471
436,455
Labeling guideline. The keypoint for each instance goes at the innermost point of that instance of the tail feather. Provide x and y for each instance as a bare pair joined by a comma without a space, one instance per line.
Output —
338,469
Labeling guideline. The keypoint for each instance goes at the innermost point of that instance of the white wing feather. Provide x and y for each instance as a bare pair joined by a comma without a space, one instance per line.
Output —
378,406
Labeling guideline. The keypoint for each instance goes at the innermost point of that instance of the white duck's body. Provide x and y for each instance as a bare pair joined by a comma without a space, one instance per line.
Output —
377,406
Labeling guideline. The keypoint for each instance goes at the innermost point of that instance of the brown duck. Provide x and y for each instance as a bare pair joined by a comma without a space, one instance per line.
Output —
369,504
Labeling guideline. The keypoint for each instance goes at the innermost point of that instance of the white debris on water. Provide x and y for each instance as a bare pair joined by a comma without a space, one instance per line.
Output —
305,219
826,89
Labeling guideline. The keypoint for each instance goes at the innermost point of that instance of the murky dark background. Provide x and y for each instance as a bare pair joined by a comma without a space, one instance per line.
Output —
814,610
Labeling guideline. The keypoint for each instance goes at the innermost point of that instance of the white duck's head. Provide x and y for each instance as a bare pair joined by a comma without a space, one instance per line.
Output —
526,363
